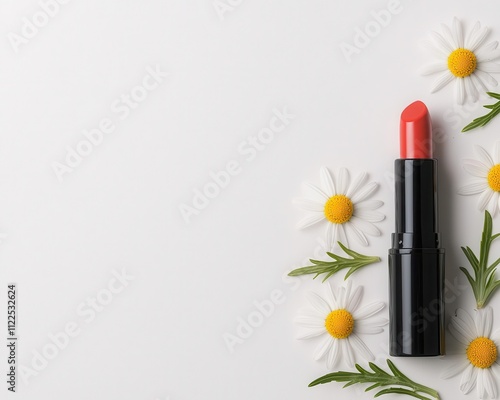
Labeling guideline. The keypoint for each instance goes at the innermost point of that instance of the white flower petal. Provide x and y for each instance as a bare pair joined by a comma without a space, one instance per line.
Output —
368,329
485,56
311,312
310,220
484,156
308,321
323,347
471,89
484,199
478,81
364,192
484,321
342,181
454,369
331,236
485,77
351,230
317,191
370,216
327,181
312,333
356,184
342,237
460,91
368,310
458,33
468,380
347,294
493,205
353,302
441,81
347,352
437,66
309,205
477,37
496,153
489,383
378,322
369,205
333,355
448,36
360,347
471,35
490,47
441,43
365,227
319,304
473,188
435,50
342,296
476,168
467,323
480,383
331,299
488,66
458,333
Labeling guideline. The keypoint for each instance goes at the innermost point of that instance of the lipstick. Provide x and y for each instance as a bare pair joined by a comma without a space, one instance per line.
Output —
416,260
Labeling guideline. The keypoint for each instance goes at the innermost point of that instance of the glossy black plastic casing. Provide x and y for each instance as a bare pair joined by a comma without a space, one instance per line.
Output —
416,263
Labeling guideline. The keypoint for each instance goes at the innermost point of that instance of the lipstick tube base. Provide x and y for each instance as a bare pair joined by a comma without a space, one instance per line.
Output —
416,307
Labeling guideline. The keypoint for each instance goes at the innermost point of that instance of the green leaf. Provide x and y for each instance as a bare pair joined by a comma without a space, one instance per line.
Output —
483,282
401,391
494,95
471,257
397,383
332,267
483,120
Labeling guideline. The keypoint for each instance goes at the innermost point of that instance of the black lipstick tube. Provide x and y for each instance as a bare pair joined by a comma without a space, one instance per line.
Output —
416,263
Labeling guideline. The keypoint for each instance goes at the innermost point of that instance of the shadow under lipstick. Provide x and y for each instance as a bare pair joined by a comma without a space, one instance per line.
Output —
416,260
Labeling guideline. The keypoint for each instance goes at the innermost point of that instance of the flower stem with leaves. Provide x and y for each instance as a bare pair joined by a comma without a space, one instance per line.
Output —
331,267
483,283
380,378
483,120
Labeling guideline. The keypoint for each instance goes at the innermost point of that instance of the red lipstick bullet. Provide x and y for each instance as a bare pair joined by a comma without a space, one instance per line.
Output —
416,259
415,132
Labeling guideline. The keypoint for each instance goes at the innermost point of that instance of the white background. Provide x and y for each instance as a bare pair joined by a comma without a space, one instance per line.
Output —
162,336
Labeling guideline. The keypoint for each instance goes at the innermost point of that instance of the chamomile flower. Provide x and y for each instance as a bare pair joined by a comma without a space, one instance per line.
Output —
463,58
479,363
338,319
343,206
486,172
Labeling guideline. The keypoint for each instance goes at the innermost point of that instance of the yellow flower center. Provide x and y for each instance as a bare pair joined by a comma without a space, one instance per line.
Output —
338,209
462,62
339,323
494,178
482,352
